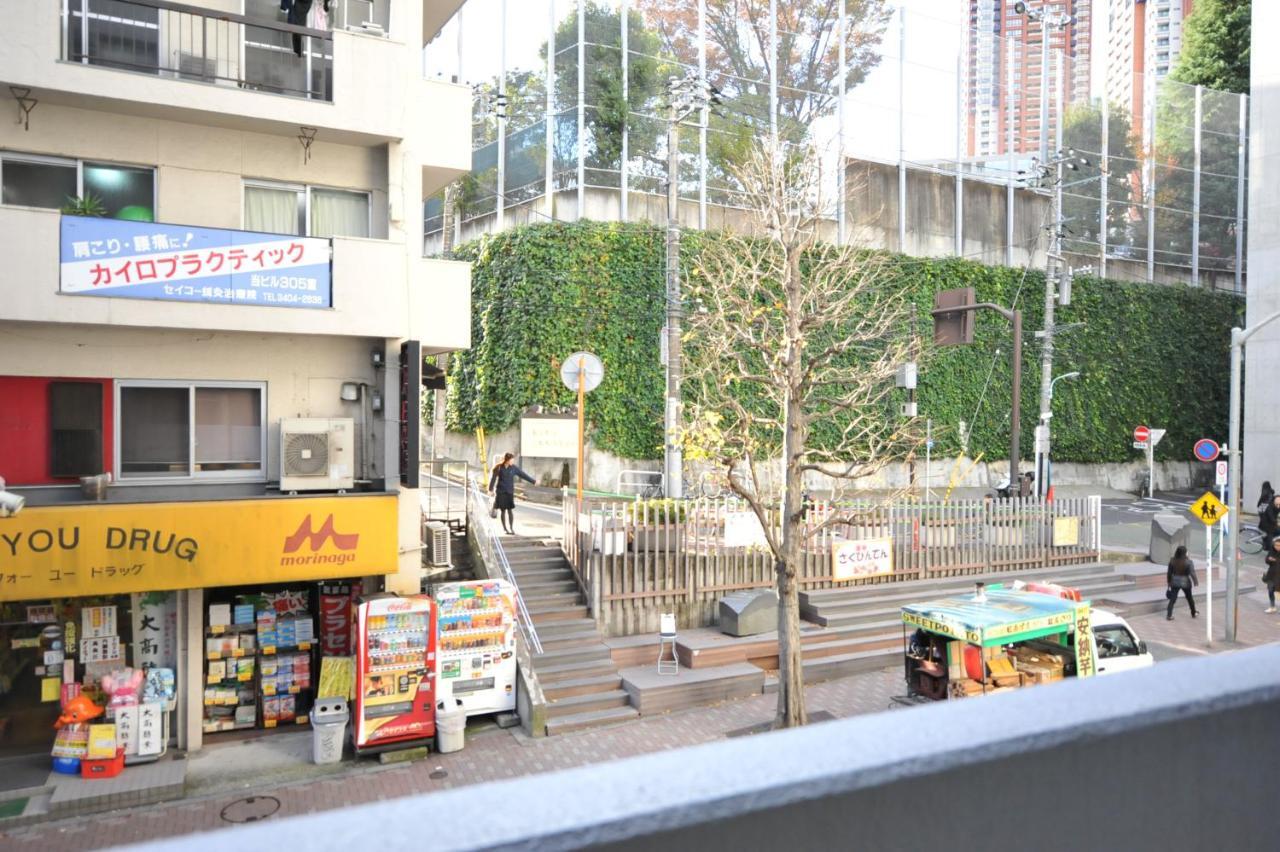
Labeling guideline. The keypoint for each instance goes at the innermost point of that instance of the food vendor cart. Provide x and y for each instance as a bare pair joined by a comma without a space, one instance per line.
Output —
996,639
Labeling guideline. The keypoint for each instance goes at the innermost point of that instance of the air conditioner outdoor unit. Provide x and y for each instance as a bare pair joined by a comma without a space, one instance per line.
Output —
317,454
437,542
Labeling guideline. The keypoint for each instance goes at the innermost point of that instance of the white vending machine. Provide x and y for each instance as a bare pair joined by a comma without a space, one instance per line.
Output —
476,645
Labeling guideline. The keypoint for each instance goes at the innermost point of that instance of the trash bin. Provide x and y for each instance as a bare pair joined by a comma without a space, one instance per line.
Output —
451,726
328,729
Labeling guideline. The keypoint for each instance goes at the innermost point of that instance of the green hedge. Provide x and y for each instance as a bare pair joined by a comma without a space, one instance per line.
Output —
1146,354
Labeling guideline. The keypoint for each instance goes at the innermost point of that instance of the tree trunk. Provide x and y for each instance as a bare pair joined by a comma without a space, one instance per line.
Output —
791,710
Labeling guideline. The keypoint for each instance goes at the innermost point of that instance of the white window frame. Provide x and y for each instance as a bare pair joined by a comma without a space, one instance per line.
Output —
304,190
78,165
193,475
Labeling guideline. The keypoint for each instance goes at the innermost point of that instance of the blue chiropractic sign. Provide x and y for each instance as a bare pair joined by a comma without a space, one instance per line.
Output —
151,260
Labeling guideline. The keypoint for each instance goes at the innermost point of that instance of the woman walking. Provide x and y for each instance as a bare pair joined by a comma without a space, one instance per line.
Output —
502,485
1180,577
1272,577
1269,522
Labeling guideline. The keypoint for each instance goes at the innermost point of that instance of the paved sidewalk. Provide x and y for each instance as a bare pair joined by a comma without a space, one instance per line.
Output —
491,756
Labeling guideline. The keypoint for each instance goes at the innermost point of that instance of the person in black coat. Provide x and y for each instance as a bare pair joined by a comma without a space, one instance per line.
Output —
502,485
1272,577
1269,522
1266,496
1180,577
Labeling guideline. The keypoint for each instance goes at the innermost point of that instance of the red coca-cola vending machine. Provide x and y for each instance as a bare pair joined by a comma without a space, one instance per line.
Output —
395,672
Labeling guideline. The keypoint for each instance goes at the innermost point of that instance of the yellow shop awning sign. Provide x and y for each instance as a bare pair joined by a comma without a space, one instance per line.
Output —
72,551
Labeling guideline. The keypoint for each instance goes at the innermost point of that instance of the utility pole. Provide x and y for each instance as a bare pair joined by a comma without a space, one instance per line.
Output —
673,467
685,96
1049,18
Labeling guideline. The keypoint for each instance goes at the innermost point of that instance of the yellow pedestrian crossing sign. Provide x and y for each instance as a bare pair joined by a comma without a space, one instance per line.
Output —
1209,509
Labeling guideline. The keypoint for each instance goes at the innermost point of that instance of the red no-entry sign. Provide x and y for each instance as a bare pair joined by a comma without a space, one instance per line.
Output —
1141,433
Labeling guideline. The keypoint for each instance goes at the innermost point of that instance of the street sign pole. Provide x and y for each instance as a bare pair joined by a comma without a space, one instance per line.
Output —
582,391
1210,511
1208,584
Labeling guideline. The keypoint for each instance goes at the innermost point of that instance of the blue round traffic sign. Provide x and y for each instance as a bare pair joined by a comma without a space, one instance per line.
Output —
1206,450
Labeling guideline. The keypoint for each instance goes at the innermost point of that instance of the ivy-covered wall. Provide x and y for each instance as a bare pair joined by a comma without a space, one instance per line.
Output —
1146,354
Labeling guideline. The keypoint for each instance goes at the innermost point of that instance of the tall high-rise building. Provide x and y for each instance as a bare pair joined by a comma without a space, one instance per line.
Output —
997,29
1144,39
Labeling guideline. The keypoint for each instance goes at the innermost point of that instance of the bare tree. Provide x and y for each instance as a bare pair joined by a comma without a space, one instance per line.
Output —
792,350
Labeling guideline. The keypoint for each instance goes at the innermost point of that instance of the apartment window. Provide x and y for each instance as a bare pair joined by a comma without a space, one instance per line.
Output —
32,180
191,430
75,429
305,210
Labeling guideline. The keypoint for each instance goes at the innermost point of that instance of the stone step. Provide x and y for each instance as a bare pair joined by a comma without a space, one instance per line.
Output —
942,586
594,719
843,665
570,687
844,613
542,615
566,640
587,703
587,653
540,575
553,674
524,558
557,628
531,587
553,599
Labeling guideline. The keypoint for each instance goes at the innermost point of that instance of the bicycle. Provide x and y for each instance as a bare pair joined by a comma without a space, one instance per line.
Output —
1252,541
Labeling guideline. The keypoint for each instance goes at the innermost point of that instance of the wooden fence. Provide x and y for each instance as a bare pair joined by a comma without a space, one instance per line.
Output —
636,560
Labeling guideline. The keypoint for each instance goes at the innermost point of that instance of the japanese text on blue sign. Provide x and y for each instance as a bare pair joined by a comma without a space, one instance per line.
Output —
145,260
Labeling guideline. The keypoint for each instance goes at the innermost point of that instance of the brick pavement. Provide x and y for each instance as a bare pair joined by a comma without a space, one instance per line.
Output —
490,756
495,755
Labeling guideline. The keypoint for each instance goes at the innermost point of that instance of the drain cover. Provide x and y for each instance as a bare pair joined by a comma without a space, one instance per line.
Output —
252,809
438,773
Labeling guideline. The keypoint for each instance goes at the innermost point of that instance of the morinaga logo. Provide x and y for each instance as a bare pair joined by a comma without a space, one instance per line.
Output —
317,539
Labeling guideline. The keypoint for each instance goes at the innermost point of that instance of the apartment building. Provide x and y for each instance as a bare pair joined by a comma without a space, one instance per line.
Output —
214,292
1003,58
1144,38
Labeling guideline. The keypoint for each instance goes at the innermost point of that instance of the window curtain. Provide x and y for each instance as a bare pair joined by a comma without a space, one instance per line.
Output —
273,211
339,214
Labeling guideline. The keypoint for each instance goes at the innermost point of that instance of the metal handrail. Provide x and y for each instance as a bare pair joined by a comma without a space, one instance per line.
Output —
194,43
494,554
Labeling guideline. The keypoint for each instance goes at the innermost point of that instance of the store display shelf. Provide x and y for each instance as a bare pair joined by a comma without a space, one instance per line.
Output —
218,629
229,681
274,723
270,650
269,690
217,729
237,654
213,702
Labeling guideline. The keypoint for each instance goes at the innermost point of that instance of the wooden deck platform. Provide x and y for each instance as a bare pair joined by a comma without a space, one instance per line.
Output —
652,693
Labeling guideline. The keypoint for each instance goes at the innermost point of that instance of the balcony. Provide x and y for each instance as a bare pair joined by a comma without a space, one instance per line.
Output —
182,42
194,64
379,289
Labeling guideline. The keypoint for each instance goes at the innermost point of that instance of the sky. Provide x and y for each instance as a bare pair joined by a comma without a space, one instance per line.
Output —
934,44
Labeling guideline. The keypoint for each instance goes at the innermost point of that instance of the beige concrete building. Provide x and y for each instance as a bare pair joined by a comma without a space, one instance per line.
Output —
250,250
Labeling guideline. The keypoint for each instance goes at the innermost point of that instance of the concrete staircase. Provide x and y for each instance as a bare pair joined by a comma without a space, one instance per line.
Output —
861,628
578,676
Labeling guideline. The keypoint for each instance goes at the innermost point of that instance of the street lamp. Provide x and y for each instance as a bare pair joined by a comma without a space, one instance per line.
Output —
1074,374
1239,336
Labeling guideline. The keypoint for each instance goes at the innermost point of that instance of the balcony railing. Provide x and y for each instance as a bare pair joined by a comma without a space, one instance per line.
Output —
190,43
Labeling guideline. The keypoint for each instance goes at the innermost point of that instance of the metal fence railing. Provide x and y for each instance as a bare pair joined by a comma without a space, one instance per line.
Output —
636,560
930,91
485,531
193,43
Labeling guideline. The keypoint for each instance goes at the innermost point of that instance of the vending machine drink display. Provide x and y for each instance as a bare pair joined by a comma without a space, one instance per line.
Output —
395,661
476,658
